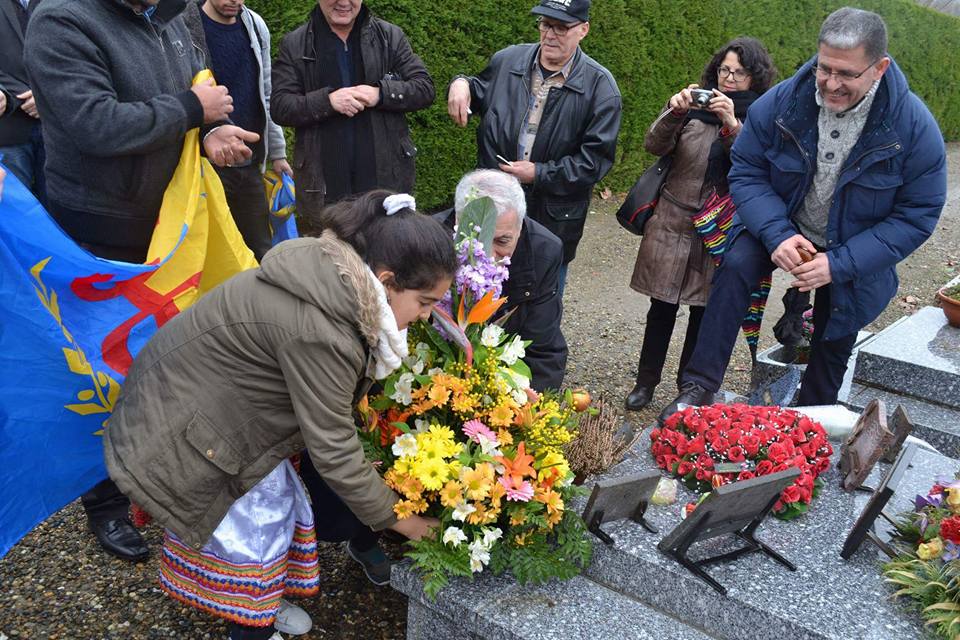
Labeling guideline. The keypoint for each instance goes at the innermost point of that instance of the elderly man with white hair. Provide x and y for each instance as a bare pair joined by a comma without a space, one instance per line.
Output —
533,300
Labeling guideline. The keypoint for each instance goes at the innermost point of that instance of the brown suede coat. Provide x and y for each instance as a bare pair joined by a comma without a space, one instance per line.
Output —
672,264
271,362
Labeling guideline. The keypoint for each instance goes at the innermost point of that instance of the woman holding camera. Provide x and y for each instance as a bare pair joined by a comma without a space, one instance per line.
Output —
698,126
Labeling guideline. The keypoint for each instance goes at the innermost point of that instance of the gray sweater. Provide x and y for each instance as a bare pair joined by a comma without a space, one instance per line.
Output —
113,91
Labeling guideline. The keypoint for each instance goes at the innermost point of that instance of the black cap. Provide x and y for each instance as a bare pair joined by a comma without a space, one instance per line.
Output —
564,10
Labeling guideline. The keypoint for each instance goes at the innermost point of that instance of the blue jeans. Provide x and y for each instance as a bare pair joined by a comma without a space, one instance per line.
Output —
25,161
562,279
744,263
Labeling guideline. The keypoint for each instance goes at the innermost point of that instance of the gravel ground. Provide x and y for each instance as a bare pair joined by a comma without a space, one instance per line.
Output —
57,584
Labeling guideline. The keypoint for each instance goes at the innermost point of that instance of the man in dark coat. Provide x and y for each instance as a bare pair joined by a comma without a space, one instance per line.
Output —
843,163
550,116
345,81
112,82
21,141
534,304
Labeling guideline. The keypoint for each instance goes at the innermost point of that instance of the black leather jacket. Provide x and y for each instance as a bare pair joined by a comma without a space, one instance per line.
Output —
533,301
576,141
298,101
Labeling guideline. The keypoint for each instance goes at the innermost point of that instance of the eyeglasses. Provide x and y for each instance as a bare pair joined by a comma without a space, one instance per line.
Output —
739,75
559,30
824,73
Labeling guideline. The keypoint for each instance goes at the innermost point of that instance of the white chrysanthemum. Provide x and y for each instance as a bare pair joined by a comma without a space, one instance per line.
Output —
403,389
421,425
462,510
454,536
405,446
491,336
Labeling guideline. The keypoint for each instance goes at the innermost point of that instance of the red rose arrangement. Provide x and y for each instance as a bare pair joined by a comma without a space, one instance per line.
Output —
708,447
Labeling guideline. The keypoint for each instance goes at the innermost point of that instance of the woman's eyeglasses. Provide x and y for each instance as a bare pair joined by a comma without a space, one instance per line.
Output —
739,75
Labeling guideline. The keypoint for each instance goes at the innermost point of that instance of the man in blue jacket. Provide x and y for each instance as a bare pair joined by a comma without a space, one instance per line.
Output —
841,162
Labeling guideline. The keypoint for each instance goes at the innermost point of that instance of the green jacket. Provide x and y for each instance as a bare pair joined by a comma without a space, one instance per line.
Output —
271,362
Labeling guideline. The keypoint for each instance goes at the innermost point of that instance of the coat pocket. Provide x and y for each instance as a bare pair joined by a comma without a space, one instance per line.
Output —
202,434
870,197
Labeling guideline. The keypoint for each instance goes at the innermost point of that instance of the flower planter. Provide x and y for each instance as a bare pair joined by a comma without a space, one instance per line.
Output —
950,306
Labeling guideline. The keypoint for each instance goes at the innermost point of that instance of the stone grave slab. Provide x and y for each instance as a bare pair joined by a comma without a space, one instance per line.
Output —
497,608
826,597
917,355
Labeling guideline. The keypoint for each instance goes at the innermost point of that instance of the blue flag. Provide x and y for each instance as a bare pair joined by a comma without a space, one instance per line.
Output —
57,390
71,324
281,195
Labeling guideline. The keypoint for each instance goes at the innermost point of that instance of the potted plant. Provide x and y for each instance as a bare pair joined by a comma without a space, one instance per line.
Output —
950,303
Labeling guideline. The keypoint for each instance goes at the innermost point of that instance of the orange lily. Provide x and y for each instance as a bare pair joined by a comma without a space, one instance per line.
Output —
520,466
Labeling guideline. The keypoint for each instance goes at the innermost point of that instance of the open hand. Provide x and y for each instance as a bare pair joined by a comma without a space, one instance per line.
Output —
226,146
416,527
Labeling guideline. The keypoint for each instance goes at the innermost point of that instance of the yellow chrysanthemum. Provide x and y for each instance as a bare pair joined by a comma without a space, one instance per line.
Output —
432,472
404,509
521,539
410,487
477,481
402,467
551,499
501,415
451,494
481,515
504,438
439,395
518,518
497,492
553,519
463,403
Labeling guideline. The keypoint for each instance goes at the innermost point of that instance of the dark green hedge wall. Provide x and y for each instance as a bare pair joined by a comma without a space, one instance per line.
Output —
652,47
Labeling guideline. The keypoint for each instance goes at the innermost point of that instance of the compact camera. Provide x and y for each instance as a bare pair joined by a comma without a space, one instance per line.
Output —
701,97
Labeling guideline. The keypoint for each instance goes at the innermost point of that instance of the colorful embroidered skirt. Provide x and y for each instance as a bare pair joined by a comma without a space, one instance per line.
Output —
264,548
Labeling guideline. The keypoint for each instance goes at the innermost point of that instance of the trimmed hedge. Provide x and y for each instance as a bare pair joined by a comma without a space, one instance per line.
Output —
652,47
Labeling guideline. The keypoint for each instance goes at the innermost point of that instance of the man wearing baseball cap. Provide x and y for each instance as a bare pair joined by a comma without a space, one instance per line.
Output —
560,140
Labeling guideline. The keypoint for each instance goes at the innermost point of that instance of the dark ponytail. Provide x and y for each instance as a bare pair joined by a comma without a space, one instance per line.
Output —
415,247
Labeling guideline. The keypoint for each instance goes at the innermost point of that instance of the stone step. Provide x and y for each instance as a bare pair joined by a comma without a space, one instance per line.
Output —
497,608
824,599
938,425
917,355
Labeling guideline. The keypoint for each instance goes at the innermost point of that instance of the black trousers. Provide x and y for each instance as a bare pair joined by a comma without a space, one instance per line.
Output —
334,520
744,264
661,319
247,199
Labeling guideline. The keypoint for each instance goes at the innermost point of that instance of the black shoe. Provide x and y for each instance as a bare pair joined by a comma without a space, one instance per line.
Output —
690,394
120,538
375,564
639,397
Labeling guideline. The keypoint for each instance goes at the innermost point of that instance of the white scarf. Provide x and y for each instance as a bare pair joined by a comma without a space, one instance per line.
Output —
392,347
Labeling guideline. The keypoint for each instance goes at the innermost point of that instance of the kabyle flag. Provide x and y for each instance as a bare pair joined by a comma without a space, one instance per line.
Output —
71,324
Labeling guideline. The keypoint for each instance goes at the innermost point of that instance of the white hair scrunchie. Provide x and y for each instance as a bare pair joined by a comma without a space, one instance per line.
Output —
399,202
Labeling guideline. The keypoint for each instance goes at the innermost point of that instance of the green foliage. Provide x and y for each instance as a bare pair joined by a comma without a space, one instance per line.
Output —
652,47
933,586
436,562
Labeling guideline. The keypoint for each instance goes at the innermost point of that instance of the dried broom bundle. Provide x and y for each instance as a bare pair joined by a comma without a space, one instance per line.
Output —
599,444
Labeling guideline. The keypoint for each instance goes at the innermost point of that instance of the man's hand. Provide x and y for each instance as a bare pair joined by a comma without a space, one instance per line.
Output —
458,101
786,255
29,105
522,170
216,101
225,146
280,166
369,96
3,174
416,527
345,101
3,102
812,275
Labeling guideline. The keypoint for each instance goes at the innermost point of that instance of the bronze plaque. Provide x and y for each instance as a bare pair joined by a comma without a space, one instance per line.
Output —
867,442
